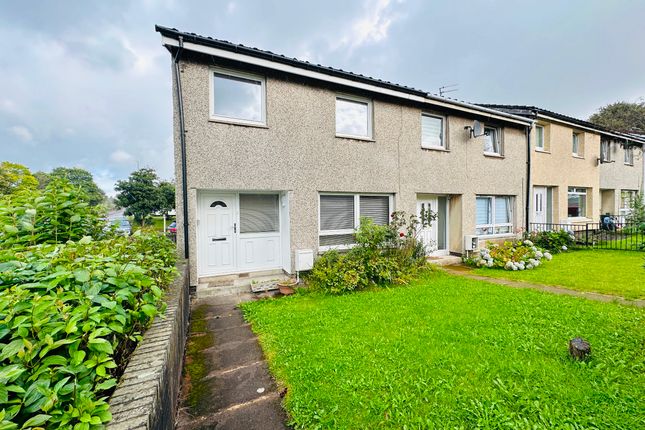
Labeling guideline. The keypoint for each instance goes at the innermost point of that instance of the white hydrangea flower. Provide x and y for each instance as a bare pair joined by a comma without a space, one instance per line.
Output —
548,256
528,243
564,247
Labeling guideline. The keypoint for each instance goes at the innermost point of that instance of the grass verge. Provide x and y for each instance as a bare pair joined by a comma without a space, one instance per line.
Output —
449,352
619,273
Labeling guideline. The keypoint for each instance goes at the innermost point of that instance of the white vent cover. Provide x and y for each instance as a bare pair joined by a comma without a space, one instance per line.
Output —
304,259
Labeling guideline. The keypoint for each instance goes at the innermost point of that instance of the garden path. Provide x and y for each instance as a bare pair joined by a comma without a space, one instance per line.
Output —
226,382
465,271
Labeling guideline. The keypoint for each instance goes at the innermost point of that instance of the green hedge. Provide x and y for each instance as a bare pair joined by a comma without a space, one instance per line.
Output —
72,308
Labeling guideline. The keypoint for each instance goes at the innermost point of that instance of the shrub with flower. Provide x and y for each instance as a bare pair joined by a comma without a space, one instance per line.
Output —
555,241
516,255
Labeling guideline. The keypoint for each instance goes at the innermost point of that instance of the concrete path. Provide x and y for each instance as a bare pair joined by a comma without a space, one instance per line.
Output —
226,383
467,272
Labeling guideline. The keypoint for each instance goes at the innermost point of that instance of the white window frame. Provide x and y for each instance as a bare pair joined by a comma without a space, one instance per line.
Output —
607,159
493,225
357,217
370,114
626,210
575,144
578,193
236,74
443,145
628,156
542,147
498,135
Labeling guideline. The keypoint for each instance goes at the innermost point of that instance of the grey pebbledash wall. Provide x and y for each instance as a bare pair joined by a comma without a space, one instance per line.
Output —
146,396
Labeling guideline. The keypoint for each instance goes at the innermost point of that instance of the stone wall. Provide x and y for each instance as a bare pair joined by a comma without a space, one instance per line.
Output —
146,396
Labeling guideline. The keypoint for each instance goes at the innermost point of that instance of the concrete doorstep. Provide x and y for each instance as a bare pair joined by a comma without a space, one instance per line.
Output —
226,382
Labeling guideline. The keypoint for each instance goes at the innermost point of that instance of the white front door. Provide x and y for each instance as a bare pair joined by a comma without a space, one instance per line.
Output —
217,234
435,236
239,232
540,205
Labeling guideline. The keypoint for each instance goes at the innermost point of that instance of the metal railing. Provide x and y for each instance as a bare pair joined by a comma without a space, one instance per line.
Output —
601,235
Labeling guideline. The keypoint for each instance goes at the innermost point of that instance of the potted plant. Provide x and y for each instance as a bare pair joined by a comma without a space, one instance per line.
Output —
286,286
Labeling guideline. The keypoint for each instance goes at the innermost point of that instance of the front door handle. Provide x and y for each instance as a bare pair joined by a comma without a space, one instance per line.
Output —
234,227
218,239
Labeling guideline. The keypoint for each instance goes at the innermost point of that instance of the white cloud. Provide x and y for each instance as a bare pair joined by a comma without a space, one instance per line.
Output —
21,133
121,157
371,27
8,106
230,7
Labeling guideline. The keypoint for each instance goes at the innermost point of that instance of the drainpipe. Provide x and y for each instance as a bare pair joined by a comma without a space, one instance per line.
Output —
182,142
528,178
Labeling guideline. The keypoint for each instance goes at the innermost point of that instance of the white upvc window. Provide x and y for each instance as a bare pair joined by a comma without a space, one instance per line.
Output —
539,138
340,213
237,97
432,131
627,197
492,141
576,145
353,117
577,202
494,215
629,155
605,151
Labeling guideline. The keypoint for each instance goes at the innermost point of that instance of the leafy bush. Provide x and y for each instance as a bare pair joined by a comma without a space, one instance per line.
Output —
553,241
74,301
59,213
516,255
383,255
70,315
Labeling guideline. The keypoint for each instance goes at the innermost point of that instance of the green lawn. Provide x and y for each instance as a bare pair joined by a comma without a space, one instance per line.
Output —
449,352
619,273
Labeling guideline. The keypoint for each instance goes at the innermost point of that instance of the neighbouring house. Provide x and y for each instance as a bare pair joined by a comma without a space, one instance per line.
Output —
579,170
277,159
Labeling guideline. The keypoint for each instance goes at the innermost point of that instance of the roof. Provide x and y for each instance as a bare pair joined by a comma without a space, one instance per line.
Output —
535,112
191,40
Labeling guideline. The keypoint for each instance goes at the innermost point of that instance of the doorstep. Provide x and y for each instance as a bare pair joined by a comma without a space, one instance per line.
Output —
444,260
239,284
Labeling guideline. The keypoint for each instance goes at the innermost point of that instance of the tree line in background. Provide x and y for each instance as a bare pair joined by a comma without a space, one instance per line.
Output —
141,195
622,116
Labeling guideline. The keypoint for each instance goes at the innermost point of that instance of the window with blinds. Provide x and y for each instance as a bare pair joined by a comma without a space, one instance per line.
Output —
259,213
432,132
340,214
494,215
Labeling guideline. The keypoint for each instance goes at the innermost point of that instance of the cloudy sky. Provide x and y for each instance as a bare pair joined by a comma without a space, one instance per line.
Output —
87,83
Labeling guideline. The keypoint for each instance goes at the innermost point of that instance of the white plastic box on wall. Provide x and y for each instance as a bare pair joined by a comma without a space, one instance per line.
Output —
471,242
304,259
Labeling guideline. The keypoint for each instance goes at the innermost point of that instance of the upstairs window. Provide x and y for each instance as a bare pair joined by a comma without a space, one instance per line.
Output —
629,155
539,138
237,97
605,151
577,202
432,132
353,117
492,142
576,145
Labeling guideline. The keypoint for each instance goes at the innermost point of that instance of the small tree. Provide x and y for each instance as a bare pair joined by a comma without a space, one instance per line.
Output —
15,177
83,179
636,210
167,194
623,116
139,195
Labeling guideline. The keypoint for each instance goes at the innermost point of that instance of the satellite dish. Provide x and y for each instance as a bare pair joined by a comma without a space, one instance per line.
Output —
477,129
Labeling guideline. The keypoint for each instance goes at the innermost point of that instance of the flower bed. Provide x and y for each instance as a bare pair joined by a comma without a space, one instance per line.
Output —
516,255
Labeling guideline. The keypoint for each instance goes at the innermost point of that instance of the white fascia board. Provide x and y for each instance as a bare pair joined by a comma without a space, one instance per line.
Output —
582,127
430,100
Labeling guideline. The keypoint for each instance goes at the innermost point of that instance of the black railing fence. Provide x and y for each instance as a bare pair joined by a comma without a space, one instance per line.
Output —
609,234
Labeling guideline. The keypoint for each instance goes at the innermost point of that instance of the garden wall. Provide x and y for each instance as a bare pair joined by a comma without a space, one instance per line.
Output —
146,396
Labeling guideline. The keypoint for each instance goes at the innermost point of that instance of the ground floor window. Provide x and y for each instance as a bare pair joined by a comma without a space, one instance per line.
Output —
259,213
494,215
627,197
577,202
340,215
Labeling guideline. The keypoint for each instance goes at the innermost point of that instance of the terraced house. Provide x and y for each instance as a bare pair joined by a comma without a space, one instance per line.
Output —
278,159
579,170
